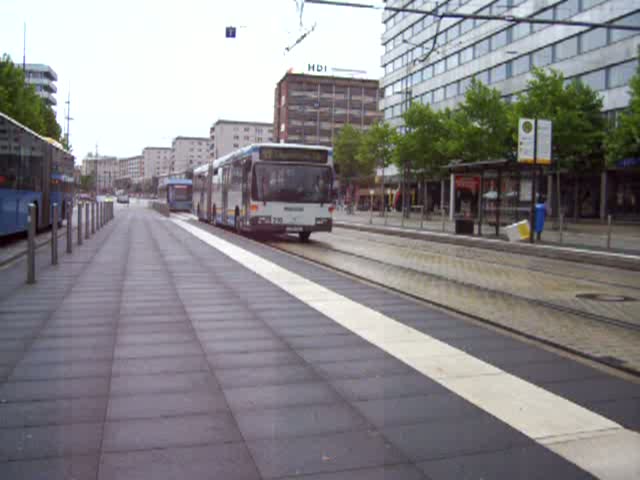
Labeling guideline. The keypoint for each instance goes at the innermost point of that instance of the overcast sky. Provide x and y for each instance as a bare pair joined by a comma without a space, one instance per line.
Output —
141,72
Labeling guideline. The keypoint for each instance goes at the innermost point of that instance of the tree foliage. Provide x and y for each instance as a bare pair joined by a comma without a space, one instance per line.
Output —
88,182
345,153
624,139
21,102
376,147
575,110
482,126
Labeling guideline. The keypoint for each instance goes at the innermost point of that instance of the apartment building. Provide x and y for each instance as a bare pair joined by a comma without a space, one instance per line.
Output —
104,168
188,152
43,79
155,161
131,167
229,135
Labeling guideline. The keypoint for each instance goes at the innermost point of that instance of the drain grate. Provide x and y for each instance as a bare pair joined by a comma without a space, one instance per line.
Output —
605,297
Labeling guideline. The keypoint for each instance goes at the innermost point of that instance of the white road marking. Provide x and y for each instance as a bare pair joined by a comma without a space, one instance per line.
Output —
572,431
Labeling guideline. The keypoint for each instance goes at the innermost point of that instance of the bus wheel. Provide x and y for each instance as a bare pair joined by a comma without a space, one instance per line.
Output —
304,236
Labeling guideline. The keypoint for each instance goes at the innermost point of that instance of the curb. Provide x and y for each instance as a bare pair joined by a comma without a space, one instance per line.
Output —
607,259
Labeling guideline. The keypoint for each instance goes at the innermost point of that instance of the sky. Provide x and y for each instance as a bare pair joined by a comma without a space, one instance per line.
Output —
141,72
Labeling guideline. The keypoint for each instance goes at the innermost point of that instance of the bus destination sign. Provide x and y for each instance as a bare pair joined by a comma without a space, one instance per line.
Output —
302,155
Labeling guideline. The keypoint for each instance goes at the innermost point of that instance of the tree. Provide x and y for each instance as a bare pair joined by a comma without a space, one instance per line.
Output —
578,124
483,127
376,149
345,154
88,182
20,101
624,139
426,146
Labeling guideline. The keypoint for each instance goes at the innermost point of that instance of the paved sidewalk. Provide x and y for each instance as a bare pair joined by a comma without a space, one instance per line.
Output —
149,355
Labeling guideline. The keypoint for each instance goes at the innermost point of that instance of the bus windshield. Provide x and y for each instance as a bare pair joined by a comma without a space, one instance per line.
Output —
179,193
292,183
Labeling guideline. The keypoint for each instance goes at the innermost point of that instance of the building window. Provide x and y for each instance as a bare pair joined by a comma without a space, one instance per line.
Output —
427,72
566,49
438,95
520,30
246,129
452,61
596,80
481,48
483,77
621,74
567,9
542,57
246,137
520,65
427,98
439,68
499,40
545,15
498,73
465,83
453,33
452,90
466,55
633,19
586,4
236,137
466,26
235,145
593,39
416,78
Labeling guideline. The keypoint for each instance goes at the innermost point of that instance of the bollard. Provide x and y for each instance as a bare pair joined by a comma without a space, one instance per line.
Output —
442,212
402,221
93,218
31,244
87,223
421,217
100,216
54,236
561,227
608,232
79,223
69,227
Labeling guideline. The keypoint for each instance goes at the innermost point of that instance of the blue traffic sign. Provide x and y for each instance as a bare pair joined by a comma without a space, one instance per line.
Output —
230,32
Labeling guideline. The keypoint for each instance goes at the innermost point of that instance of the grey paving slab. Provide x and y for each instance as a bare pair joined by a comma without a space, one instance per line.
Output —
239,346
163,382
52,412
151,366
311,330
322,453
254,359
62,355
445,438
419,409
51,331
527,463
389,472
157,350
154,337
391,386
232,335
280,396
595,389
559,371
149,328
74,341
327,341
228,462
51,371
166,432
363,368
165,405
77,467
299,421
49,441
272,375
53,389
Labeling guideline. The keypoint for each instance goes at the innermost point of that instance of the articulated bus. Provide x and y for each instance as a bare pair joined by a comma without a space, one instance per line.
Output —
177,192
33,169
270,188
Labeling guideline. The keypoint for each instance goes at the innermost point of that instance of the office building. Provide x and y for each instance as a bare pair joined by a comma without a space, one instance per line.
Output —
105,170
156,161
502,54
43,78
188,152
131,167
311,109
229,135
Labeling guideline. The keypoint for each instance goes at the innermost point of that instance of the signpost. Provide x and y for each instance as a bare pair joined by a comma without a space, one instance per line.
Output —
534,147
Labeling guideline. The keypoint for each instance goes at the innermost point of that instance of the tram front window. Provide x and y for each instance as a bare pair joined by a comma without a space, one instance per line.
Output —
181,193
292,183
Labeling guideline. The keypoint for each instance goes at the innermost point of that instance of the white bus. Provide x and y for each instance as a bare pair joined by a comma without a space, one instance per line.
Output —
268,187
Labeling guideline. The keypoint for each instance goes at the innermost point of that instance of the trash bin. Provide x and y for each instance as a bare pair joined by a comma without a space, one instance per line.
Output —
541,214
464,226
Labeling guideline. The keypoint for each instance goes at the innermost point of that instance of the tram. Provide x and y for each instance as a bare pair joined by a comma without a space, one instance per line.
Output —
33,169
268,188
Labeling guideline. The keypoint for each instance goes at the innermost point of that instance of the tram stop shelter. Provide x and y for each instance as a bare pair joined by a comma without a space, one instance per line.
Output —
494,192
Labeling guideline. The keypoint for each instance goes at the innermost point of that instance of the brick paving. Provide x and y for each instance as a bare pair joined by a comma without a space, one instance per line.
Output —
146,355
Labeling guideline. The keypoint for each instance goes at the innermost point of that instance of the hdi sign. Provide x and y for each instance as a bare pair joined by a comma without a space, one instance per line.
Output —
317,68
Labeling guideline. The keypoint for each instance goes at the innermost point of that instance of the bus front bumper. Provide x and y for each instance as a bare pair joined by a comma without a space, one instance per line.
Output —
257,226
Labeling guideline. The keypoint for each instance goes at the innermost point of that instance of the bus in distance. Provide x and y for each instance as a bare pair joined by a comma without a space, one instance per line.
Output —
269,188
177,192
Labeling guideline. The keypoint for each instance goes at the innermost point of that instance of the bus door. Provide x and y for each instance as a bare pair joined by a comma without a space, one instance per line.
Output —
246,169
225,192
209,184
201,179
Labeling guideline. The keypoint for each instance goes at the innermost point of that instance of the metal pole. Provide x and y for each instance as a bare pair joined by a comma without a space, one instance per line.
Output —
532,215
561,227
93,218
370,209
608,232
31,244
443,219
79,223
421,217
87,223
54,236
69,227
